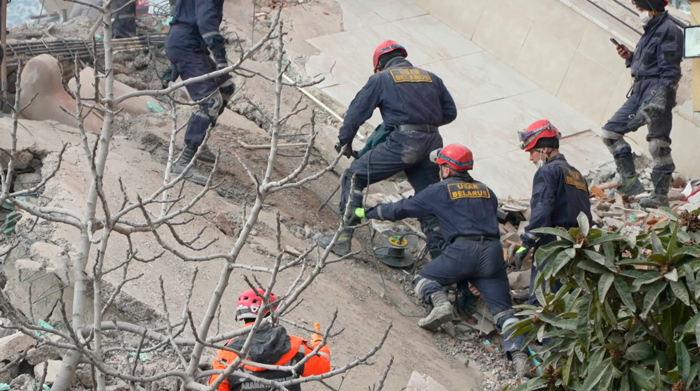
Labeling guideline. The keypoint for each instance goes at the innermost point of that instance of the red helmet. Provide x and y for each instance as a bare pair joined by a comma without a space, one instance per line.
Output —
457,156
250,302
387,47
542,129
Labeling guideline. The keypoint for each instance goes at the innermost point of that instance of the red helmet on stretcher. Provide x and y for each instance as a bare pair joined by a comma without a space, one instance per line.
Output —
250,302
537,132
457,156
387,47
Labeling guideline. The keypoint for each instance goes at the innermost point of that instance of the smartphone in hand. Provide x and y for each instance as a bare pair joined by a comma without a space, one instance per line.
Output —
614,41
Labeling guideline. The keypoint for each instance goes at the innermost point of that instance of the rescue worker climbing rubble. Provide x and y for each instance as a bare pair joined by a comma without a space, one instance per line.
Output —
124,23
271,346
413,104
656,68
194,33
466,211
559,194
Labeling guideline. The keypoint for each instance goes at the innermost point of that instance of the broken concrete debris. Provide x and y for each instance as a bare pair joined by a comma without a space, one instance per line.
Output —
15,344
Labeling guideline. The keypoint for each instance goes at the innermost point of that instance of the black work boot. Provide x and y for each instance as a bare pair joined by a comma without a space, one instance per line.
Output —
342,246
441,313
629,184
521,364
659,197
206,155
192,175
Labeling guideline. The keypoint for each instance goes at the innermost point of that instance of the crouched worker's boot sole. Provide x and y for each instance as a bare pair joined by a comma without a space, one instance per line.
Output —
440,314
342,245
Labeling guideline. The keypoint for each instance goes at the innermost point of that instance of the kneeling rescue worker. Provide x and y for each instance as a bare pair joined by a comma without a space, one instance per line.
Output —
194,33
559,193
656,68
466,211
271,346
413,103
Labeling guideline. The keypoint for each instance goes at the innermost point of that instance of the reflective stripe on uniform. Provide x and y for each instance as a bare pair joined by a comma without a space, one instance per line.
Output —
127,16
379,212
211,34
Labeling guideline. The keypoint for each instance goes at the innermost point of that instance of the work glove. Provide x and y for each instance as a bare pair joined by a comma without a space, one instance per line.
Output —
170,74
346,150
520,256
360,212
220,58
315,337
662,100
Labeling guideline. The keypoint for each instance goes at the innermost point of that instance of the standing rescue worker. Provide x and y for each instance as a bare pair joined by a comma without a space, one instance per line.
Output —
559,193
194,33
271,346
466,211
656,69
413,103
124,22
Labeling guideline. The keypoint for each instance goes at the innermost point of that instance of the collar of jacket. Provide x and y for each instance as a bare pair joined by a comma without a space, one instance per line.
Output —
656,21
398,62
560,156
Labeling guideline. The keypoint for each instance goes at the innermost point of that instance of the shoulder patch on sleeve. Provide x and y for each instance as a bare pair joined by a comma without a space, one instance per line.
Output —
410,76
468,190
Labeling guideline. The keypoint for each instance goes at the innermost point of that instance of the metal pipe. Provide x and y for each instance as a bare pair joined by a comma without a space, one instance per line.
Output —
3,39
675,20
614,17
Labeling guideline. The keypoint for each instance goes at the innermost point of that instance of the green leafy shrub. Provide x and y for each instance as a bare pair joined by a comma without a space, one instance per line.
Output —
627,315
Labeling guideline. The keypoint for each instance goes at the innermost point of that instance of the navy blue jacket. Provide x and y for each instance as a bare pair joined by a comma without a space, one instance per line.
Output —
462,206
404,95
659,52
559,195
204,15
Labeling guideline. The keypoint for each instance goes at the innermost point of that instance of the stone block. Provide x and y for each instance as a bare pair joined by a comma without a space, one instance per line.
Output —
54,366
419,382
13,344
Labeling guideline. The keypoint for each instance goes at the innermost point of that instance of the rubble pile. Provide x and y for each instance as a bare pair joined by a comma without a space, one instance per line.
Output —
30,365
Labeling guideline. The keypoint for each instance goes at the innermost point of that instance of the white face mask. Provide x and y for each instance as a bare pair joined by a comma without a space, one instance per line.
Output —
644,16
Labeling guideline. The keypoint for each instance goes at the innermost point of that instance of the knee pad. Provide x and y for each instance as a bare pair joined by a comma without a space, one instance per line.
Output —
227,89
211,106
616,144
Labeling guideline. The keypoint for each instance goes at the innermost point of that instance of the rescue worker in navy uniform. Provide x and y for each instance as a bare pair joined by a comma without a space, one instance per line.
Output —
656,69
559,194
194,33
413,103
466,211
124,23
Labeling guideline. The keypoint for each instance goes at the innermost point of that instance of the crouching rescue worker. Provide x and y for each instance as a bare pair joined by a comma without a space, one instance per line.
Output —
656,69
466,212
194,33
271,346
559,194
413,103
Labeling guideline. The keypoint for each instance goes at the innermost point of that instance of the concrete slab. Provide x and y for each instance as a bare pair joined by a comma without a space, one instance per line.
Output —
429,31
420,382
542,104
480,78
356,15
